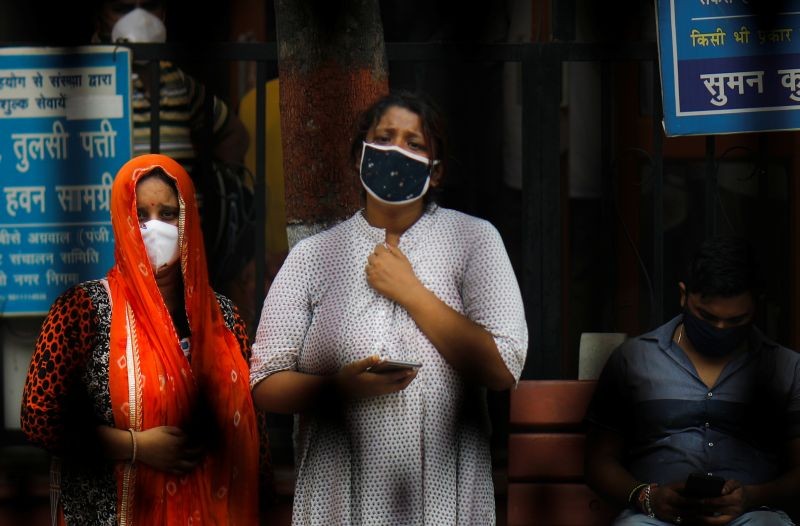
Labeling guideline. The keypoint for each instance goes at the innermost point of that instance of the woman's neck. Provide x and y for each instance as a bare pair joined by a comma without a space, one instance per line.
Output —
171,286
395,219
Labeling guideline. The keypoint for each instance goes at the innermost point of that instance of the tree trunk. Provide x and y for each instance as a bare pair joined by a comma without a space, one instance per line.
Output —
332,66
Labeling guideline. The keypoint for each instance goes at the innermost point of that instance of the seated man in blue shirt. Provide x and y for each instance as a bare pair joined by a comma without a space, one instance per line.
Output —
707,392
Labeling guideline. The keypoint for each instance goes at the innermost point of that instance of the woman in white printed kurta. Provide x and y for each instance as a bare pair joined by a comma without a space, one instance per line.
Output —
420,453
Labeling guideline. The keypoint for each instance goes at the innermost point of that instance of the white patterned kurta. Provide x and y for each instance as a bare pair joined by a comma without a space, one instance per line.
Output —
420,456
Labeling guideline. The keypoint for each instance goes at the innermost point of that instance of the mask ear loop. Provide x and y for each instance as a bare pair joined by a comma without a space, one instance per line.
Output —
361,162
431,165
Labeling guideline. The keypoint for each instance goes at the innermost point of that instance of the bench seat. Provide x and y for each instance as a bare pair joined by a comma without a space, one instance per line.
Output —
545,456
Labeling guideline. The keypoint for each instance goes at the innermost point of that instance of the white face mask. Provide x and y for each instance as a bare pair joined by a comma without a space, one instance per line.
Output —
161,242
139,26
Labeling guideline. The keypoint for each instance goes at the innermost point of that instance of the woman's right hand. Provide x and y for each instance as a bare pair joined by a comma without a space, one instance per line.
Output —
167,448
353,381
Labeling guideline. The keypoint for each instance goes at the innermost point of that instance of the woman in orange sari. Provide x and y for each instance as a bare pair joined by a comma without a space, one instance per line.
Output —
148,367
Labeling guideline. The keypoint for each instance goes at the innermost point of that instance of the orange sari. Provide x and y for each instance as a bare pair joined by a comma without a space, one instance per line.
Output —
153,384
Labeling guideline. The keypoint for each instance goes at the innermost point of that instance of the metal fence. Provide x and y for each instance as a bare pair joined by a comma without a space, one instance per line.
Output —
541,271
541,278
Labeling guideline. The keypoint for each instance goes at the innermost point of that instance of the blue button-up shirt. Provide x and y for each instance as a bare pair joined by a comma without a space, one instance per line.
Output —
674,424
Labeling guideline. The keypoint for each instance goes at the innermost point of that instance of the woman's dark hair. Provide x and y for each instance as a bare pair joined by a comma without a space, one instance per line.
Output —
723,267
433,127
159,173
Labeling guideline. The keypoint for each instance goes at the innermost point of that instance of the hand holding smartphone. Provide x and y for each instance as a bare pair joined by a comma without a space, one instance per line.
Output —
390,366
703,486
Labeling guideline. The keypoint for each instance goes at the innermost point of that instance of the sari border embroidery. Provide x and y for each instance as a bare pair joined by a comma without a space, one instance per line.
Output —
135,418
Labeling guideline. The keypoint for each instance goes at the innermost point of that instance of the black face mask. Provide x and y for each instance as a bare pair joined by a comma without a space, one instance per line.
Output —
393,175
711,341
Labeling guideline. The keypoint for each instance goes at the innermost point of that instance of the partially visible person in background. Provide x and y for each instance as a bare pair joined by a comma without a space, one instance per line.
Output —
195,128
182,99
276,242
139,382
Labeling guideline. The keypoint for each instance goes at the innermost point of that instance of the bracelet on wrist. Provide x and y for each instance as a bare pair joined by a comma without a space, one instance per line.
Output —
645,504
633,496
134,446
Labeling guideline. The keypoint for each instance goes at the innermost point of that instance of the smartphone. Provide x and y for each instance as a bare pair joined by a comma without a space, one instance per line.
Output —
703,486
390,366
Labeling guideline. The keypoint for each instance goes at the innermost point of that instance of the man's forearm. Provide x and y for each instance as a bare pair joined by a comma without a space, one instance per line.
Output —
605,473
611,481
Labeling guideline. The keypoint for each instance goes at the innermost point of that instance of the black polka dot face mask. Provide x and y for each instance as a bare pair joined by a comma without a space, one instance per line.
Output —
393,175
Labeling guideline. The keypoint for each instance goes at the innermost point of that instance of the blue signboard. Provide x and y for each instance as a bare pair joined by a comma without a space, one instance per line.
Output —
729,66
65,130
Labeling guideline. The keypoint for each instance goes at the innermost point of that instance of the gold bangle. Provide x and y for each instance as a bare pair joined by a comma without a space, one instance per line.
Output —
135,446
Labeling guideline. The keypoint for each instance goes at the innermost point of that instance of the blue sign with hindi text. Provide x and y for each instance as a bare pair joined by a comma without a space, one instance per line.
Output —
65,130
729,66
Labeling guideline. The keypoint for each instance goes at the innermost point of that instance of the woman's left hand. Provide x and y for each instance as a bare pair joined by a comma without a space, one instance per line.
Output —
390,273
167,448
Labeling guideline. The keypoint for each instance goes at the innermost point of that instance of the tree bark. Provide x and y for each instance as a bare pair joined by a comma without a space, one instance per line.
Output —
332,66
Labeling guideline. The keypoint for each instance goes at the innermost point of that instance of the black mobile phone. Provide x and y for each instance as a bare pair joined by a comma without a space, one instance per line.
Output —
703,486
390,366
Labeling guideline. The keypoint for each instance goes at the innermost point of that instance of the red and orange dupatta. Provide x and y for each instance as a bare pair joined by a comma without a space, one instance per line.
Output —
153,384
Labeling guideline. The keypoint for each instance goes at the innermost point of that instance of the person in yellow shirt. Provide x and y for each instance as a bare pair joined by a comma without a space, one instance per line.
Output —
277,245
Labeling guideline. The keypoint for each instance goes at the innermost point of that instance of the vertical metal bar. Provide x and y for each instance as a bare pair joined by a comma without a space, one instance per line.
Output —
563,20
155,105
607,256
761,172
550,186
793,257
657,312
541,82
711,187
260,186
531,207
3,429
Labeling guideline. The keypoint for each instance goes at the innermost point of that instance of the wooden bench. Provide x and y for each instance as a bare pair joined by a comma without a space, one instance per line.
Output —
545,456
